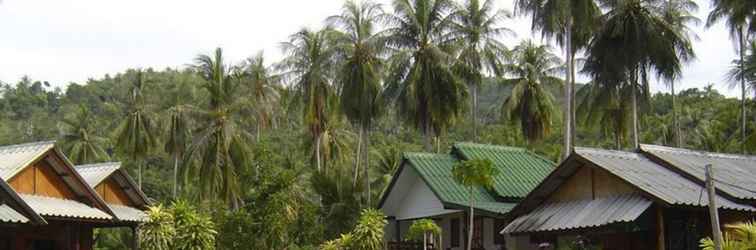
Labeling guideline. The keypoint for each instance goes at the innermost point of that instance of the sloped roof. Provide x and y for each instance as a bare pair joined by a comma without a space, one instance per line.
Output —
577,214
128,214
436,171
735,174
654,179
63,208
521,169
16,157
9,215
94,174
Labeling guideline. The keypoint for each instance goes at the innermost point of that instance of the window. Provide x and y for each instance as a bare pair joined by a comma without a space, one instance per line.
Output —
454,232
499,225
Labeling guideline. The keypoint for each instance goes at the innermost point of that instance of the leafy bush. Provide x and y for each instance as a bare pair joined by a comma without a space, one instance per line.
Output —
181,226
739,236
367,234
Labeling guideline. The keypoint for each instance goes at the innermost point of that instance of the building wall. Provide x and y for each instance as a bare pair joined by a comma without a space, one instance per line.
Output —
591,183
58,235
111,192
41,179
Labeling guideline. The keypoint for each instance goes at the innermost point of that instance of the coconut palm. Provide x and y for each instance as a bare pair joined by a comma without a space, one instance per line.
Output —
263,86
179,130
633,43
360,74
311,58
429,95
606,106
679,14
135,136
739,16
219,144
534,69
476,27
81,142
572,23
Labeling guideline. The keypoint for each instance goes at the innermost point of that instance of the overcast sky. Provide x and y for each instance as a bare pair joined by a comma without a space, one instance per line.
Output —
64,41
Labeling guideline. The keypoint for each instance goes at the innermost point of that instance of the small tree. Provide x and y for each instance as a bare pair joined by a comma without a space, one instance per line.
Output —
472,174
740,236
158,232
367,234
181,226
426,229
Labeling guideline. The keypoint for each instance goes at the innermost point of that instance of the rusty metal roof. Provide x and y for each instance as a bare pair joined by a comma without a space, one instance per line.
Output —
654,179
63,208
9,215
735,174
94,174
579,214
15,157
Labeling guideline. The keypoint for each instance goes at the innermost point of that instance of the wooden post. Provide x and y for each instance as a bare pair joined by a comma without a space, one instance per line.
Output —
661,240
715,230
135,237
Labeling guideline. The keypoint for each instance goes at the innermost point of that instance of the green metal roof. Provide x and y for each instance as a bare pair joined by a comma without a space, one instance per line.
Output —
520,170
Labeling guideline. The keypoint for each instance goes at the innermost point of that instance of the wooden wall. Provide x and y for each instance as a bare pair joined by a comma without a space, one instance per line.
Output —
41,179
591,183
112,193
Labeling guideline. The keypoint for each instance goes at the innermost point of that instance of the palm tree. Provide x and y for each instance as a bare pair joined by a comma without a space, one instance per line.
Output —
533,70
473,174
572,23
263,85
634,42
740,18
606,106
360,74
429,95
476,27
310,62
219,142
81,142
179,130
679,14
135,135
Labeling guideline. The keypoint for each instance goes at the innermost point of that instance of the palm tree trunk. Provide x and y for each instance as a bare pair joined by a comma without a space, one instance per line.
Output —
470,226
425,240
428,143
475,111
634,97
357,157
741,37
139,173
675,121
366,165
567,148
573,103
175,175
317,152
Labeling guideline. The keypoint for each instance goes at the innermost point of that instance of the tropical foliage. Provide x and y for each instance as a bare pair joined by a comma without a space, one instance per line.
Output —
740,236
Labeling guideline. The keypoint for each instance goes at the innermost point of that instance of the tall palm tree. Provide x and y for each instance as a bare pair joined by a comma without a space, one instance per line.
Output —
533,70
740,18
81,142
572,23
679,14
428,93
360,74
633,43
310,62
135,136
219,143
263,86
476,27
608,107
179,130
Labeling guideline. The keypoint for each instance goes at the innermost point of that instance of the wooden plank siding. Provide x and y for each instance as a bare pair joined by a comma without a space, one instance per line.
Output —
112,193
41,179
590,183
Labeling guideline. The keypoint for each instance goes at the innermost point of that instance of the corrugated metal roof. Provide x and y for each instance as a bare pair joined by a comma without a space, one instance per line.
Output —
9,215
94,174
654,179
129,214
16,157
436,170
55,207
736,173
578,214
520,169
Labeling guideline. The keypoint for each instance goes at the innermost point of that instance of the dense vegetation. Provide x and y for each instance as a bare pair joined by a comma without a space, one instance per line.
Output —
289,153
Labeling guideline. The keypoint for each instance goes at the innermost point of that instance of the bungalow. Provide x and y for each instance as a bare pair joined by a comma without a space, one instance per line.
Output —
119,191
423,187
45,203
651,199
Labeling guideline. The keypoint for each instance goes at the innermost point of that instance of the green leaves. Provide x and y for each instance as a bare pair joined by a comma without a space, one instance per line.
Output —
740,236
420,228
367,234
181,226
475,173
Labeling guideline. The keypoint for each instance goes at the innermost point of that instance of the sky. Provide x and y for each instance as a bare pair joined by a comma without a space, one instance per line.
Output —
64,41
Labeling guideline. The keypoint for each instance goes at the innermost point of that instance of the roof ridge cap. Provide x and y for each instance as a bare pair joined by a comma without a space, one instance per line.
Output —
687,151
27,144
